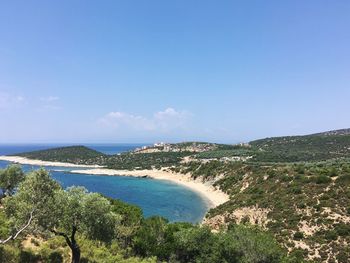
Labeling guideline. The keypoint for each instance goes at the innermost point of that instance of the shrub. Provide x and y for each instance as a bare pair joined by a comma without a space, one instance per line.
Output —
342,229
343,257
27,256
245,220
331,235
345,178
322,179
296,190
298,235
55,257
301,205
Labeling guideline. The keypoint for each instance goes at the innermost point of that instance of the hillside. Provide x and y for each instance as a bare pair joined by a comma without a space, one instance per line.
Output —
318,147
193,147
306,206
70,154
128,160
335,132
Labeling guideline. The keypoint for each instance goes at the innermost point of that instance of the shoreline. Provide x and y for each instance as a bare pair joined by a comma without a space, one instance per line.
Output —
212,196
24,160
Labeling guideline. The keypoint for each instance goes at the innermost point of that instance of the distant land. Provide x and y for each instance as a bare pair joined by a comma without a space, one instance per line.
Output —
315,147
295,187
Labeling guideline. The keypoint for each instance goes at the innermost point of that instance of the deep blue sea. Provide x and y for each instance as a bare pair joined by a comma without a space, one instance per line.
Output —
155,197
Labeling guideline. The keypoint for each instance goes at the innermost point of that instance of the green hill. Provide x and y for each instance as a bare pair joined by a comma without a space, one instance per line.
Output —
317,147
130,161
70,154
87,156
305,205
335,132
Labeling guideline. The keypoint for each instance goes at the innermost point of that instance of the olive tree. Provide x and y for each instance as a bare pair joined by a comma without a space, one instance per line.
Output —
61,212
35,195
10,178
89,212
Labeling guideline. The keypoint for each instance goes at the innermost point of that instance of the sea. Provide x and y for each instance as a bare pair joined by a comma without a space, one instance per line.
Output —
164,198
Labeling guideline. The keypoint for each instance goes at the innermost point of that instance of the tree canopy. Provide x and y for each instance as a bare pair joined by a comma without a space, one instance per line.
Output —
10,178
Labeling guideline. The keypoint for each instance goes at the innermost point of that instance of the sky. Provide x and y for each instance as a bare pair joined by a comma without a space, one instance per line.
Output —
145,71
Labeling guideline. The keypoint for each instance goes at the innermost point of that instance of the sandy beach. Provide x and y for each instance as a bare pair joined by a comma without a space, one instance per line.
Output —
213,196
23,160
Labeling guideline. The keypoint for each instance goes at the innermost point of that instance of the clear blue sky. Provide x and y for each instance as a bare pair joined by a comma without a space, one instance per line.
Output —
144,71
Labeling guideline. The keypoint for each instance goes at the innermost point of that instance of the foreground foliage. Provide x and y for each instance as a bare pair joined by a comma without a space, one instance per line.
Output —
91,228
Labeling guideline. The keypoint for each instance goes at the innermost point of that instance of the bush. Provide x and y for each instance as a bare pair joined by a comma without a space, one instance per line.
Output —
27,256
298,235
55,257
348,210
331,235
342,229
322,179
298,254
296,190
9,254
332,172
345,178
343,257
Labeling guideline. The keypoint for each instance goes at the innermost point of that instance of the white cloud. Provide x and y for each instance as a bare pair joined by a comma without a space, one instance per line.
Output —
170,119
19,99
122,119
49,103
164,121
9,100
49,99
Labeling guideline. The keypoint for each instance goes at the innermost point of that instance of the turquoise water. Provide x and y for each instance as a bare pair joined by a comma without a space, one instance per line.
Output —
155,197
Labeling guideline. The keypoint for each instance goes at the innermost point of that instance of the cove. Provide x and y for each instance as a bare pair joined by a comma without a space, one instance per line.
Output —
155,197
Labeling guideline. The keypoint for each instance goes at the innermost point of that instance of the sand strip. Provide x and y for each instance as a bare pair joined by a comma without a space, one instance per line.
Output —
24,160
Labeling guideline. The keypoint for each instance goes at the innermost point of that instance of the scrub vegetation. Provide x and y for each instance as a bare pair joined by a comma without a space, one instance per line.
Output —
73,225
295,189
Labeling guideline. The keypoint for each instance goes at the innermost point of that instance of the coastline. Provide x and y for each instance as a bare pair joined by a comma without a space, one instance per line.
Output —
208,192
213,196
24,160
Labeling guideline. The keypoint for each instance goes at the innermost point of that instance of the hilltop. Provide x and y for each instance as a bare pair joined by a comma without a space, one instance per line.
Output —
70,154
193,147
316,147
335,132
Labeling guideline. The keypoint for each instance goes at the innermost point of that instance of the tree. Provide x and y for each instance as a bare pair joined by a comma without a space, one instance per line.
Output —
89,212
36,195
131,217
196,244
15,235
156,237
61,212
10,178
251,244
150,236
